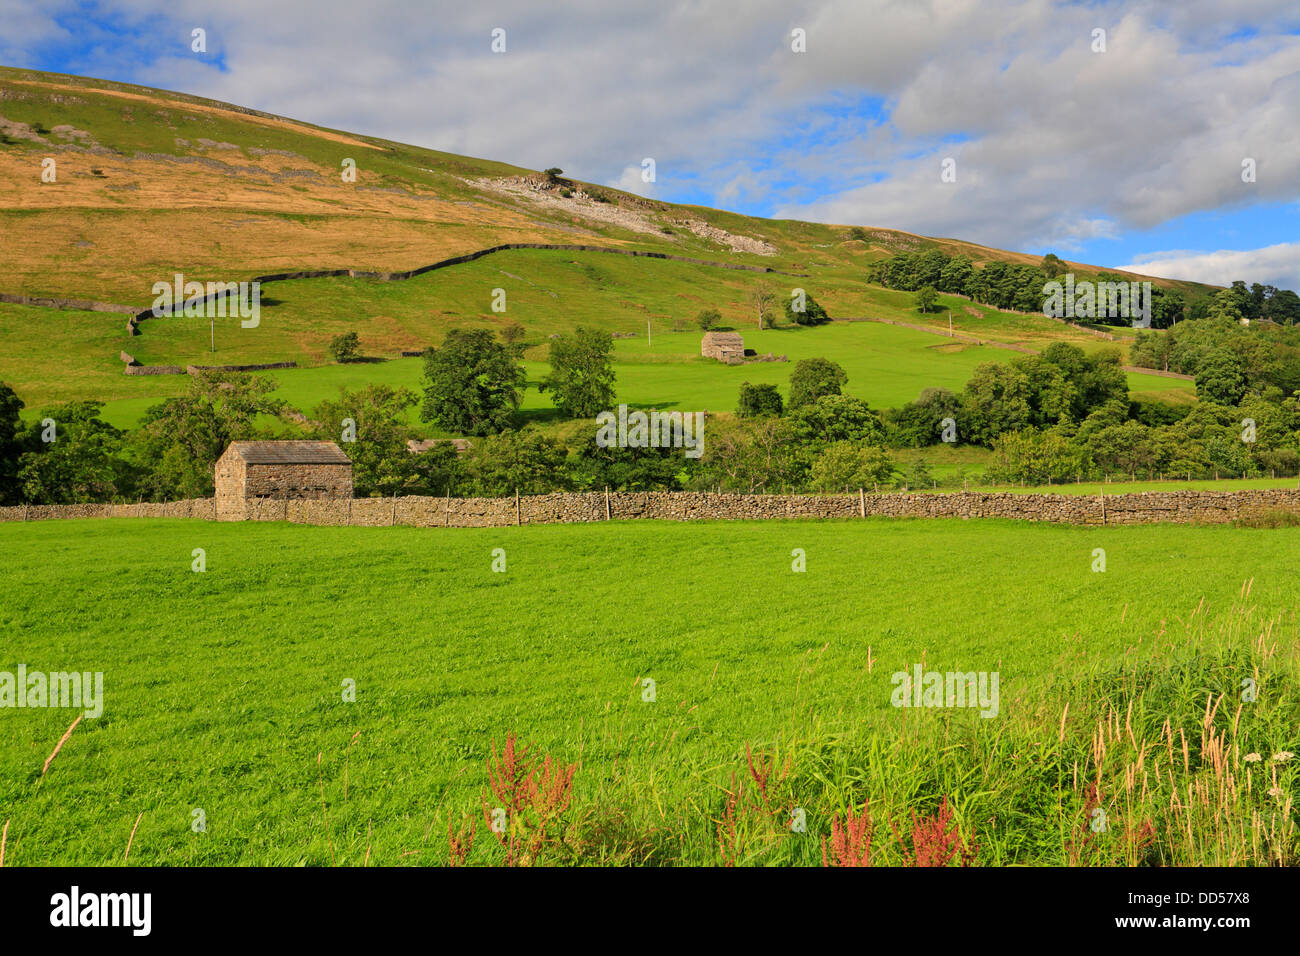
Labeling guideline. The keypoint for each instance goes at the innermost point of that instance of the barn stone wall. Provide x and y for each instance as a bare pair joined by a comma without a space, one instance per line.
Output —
229,482
1182,507
298,481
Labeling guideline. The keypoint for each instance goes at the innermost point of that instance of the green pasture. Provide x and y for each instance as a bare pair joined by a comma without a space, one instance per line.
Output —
223,690
57,355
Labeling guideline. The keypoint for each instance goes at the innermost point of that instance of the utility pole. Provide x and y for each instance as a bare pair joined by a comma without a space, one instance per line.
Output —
949,325
647,333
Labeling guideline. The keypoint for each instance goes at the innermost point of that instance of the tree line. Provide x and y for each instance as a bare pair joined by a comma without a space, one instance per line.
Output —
1019,288
1060,415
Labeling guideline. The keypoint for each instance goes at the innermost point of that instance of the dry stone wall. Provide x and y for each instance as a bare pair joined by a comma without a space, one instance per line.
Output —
1182,507
189,508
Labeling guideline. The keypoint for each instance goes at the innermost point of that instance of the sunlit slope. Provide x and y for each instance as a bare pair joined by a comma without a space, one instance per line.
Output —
52,354
151,182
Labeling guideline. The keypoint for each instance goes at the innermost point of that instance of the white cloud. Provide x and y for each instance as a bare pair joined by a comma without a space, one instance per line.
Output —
1277,265
632,180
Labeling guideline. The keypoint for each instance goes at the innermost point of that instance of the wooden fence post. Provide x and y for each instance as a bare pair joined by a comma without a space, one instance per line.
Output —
393,520
862,503
517,521
607,515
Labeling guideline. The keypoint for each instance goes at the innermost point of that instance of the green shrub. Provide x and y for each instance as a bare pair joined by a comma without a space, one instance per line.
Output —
345,347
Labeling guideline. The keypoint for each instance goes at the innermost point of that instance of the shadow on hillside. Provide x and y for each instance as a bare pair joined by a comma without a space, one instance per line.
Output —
550,416
540,416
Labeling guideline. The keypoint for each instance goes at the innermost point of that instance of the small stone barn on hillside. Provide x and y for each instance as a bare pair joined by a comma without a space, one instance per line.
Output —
726,347
279,470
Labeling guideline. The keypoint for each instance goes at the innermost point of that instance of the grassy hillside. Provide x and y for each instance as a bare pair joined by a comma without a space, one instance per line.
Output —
222,688
150,183
55,355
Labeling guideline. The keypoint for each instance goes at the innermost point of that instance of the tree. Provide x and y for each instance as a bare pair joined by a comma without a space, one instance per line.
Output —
1167,307
1102,381
344,347
751,456
1226,305
758,400
1222,378
1151,350
370,425
834,418
1052,265
848,466
525,461
813,379
581,381
473,383
1284,307
955,275
1051,394
592,466
513,336
811,314
179,440
925,297
1127,448
78,463
997,401
1035,457
921,422
764,303
708,319
11,445
553,174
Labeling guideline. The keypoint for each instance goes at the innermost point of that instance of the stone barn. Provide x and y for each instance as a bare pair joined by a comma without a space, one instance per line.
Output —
279,470
726,347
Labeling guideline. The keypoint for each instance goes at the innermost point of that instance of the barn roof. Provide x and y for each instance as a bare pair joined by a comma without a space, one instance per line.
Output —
290,452
723,338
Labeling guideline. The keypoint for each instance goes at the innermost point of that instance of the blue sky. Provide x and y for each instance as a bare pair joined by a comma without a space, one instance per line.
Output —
1126,155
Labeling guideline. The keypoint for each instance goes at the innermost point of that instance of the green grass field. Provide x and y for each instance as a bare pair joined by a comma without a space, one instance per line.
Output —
222,687
60,355
704,691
